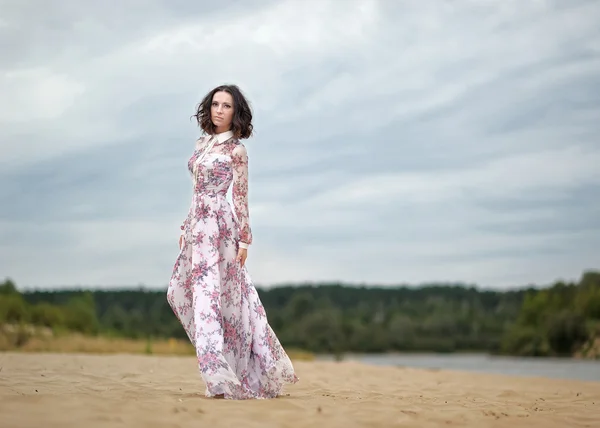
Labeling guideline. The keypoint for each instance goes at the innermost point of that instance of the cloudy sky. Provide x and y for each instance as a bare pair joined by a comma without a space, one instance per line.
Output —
396,141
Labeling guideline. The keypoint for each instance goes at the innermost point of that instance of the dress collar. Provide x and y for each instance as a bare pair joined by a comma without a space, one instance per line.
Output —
224,136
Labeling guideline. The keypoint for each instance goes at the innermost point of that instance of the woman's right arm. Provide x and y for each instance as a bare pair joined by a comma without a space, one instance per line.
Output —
198,143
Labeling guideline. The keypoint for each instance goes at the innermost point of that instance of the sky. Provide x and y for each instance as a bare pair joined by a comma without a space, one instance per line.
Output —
396,142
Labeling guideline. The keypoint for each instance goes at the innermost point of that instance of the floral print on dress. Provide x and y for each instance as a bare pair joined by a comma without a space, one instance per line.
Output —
212,295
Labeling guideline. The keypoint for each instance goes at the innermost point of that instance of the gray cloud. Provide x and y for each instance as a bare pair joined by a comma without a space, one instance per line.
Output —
400,142
34,33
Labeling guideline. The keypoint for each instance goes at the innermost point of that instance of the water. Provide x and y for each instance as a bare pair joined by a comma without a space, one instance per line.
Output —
539,367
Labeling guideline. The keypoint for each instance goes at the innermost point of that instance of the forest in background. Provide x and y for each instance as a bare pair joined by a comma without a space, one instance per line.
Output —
560,320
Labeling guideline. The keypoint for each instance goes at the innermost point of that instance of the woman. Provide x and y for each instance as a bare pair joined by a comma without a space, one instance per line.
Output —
210,291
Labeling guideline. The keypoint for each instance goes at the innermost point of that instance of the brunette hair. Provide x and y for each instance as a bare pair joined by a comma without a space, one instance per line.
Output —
241,123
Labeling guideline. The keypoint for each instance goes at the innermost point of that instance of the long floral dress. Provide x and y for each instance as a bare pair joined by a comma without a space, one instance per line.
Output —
211,294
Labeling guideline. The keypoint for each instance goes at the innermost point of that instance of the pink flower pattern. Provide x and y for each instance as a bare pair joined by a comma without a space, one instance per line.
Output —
212,295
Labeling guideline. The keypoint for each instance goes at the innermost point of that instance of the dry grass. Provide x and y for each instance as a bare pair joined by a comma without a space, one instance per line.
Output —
28,339
106,345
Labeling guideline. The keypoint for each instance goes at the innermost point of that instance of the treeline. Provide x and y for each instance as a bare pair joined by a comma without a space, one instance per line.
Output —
559,321
333,318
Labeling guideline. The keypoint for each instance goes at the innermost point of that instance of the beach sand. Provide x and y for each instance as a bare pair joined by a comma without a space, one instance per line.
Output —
75,390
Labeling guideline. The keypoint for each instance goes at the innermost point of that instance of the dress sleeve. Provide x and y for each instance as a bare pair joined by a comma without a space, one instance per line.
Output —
239,156
197,145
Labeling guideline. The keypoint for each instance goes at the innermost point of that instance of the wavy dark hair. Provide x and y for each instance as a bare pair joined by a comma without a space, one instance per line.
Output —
241,123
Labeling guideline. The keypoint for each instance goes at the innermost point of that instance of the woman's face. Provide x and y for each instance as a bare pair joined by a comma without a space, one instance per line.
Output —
221,111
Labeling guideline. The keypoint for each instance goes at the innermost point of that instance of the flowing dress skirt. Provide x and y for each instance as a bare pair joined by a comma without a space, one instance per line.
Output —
215,300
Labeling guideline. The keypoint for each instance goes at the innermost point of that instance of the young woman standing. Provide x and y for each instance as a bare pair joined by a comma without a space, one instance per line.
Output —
210,291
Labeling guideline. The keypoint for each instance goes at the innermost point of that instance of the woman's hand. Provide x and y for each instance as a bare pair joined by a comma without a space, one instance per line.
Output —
241,256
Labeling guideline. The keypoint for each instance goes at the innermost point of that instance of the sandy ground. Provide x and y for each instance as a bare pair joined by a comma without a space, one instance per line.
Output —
54,390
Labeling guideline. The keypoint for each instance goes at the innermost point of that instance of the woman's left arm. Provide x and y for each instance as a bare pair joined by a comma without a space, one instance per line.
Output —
239,157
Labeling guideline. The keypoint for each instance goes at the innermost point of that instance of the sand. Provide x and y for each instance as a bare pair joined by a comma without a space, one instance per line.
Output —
75,390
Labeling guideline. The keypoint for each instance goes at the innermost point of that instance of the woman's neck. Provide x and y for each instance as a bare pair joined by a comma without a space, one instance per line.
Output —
221,130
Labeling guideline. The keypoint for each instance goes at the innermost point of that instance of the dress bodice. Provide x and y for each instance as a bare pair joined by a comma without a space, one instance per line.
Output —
213,173
218,162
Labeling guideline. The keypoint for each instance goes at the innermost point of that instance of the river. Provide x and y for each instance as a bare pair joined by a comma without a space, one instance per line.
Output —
558,368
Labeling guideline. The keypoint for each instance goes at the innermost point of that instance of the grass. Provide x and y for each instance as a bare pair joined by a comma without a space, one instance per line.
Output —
29,339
